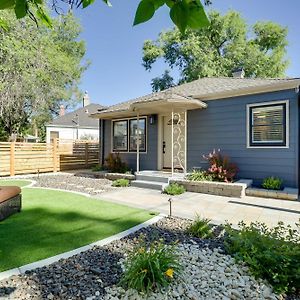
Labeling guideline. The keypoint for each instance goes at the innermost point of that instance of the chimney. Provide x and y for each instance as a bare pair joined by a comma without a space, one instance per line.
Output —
86,99
238,73
61,110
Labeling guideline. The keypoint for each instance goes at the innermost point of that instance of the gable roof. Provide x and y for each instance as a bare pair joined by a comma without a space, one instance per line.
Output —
82,115
210,88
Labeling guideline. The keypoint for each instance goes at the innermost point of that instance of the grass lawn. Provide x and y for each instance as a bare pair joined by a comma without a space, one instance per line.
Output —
52,222
16,182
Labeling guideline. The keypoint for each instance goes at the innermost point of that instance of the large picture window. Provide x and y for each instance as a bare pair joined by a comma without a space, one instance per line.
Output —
120,136
133,135
125,135
268,125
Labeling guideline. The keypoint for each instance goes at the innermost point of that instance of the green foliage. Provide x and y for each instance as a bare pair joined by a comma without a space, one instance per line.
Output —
271,254
201,228
199,175
272,183
121,182
174,189
97,168
216,50
114,163
40,68
220,167
184,13
151,268
162,83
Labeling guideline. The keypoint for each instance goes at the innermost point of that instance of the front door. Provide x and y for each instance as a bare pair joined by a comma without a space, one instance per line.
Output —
167,143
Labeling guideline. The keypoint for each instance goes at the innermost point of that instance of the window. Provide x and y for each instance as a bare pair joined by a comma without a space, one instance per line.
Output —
125,135
268,124
120,136
133,129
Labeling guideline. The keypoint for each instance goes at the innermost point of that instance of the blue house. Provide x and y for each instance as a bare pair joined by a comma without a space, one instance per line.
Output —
253,121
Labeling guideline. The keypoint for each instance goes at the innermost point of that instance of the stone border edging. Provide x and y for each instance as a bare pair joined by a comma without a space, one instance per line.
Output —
50,260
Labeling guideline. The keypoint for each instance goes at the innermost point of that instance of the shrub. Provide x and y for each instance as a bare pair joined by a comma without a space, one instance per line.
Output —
174,189
121,182
201,228
115,164
198,175
271,254
97,168
220,167
151,268
272,183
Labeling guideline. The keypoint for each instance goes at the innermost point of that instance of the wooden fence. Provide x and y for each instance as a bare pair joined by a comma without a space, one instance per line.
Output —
24,158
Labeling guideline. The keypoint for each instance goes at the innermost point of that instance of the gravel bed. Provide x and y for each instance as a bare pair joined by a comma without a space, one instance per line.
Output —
70,182
208,272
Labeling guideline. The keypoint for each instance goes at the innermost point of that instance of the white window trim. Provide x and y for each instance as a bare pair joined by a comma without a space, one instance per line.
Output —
127,119
287,128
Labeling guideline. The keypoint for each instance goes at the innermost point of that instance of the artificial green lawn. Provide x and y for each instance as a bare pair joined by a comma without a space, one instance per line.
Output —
52,222
17,182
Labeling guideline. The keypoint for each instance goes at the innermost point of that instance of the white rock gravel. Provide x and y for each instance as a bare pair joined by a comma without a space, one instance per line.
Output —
208,274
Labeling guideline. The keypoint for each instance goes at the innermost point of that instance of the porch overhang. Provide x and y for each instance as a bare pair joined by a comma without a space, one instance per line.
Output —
157,106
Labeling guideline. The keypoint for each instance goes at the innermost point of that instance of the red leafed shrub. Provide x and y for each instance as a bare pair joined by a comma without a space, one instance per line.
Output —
220,166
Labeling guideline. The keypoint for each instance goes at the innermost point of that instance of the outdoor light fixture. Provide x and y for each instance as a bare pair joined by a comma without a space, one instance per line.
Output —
152,119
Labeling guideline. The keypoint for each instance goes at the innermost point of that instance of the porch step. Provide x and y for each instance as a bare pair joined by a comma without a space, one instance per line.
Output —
154,185
152,178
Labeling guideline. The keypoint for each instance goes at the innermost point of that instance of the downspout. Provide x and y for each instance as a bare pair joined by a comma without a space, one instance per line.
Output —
172,142
138,143
101,142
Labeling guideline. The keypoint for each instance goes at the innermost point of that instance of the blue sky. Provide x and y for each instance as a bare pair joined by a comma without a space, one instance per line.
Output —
114,47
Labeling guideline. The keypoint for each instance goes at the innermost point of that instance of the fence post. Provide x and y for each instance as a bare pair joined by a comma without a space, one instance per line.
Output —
86,154
54,155
12,158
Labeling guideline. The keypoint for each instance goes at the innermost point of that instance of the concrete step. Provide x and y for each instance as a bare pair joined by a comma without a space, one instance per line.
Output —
154,178
154,185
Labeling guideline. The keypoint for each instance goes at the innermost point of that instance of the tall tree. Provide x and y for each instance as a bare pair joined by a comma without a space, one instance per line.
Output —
40,69
227,43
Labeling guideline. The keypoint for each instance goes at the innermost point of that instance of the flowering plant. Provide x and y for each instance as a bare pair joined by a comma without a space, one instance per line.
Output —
220,166
151,267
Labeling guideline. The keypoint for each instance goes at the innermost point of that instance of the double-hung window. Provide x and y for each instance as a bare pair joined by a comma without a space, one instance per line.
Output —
126,134
268,124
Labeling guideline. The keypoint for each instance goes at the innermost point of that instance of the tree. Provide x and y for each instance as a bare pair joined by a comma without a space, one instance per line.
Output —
226,44
162,83
183,13
40,69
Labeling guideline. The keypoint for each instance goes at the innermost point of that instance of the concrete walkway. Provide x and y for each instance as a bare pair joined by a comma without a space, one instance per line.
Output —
217,208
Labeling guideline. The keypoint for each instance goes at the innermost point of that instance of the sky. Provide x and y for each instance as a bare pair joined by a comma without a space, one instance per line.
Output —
114,46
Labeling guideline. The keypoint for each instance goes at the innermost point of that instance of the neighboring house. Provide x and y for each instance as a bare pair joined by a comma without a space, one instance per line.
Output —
76,125
253,121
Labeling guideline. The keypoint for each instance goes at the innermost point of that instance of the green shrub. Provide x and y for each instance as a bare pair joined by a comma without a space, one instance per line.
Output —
272,183
121,182
198,175
114,163
201,228
174,189
271,254
151,268
97,168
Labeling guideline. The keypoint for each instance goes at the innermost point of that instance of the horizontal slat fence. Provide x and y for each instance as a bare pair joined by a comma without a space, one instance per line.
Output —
24,158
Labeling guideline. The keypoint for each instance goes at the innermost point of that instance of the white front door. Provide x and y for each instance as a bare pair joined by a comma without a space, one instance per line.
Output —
167,142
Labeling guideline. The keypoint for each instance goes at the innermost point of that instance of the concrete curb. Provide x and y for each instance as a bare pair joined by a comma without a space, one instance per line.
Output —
50,260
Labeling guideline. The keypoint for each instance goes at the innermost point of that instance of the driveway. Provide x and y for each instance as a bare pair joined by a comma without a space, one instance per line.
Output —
217,208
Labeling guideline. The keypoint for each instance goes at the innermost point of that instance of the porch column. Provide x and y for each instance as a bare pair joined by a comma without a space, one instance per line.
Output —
138,143
185,142
172,148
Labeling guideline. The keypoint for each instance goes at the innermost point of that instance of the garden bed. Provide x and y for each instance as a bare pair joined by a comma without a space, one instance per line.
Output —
208,272
236,189
105,175
285,194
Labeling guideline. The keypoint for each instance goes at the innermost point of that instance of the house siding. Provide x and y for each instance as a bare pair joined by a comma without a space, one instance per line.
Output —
148,161
222,125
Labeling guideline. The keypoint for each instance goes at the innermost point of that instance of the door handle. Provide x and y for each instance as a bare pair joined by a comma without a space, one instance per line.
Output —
164,147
